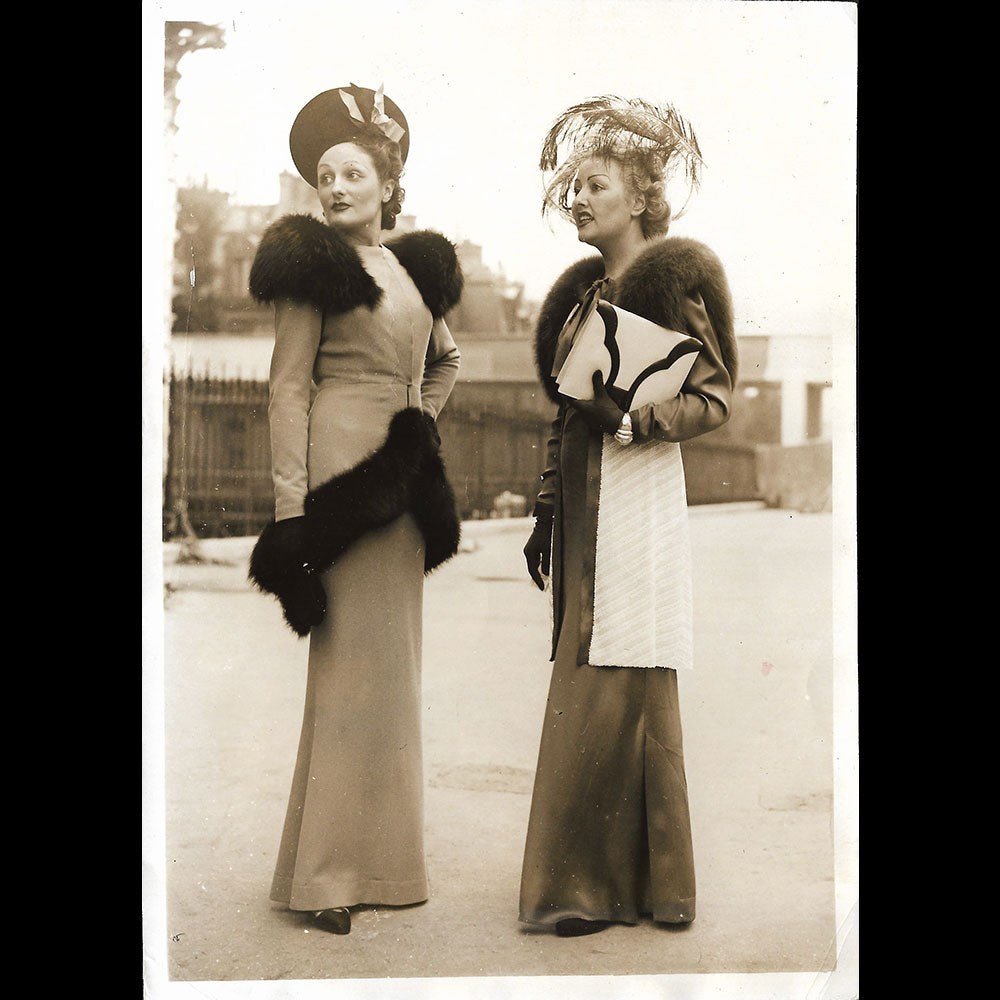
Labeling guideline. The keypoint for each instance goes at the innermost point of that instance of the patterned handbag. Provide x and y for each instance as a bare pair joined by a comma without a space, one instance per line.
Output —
641,362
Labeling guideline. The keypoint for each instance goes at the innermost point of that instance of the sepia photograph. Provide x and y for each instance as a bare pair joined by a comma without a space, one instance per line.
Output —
499,574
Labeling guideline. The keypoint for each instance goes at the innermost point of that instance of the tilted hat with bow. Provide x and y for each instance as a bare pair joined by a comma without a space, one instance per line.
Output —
340,115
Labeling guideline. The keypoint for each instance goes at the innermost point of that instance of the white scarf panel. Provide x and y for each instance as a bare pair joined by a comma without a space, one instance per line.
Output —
642,589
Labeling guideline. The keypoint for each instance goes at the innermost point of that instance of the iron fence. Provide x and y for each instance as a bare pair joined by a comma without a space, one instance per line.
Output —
218,476
217,480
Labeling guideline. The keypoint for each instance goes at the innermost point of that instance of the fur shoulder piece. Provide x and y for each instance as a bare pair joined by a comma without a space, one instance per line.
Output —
662,275
654,287
301,258
431,261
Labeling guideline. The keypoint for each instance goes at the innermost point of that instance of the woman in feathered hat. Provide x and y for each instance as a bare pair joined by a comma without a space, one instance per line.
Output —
363,362
609,835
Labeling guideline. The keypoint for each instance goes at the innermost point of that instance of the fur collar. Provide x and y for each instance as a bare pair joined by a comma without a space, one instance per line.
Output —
654,287
301,258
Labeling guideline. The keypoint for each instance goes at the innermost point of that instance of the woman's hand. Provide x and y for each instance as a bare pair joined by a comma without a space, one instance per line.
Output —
602,411
290,539
302,597
303,601
432,428
538,549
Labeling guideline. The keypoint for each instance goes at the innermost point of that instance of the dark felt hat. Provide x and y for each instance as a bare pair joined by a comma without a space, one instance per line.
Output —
338,116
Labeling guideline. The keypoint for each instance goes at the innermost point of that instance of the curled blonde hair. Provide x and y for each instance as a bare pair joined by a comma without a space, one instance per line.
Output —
644,171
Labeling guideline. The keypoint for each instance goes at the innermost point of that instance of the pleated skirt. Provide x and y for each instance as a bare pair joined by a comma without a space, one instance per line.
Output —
354,826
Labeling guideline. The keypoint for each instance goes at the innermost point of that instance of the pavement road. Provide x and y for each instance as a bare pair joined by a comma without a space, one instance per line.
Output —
758,715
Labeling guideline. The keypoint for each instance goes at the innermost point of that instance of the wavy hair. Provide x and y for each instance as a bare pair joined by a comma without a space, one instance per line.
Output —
644,171
388,163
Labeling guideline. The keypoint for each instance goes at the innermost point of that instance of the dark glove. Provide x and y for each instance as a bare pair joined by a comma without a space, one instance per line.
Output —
280,565
288,544
432,427
303,600
602,411
538,548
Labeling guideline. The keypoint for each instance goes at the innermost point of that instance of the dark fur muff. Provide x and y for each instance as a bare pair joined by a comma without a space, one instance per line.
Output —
395,479
654,287
406,474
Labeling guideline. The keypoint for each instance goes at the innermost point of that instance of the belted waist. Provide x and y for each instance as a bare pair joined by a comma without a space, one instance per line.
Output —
350,378
345,380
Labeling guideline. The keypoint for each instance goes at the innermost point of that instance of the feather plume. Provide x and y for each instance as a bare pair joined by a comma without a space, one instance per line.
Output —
621,128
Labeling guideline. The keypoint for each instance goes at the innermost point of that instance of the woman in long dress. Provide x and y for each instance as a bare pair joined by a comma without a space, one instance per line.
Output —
609,834
363,363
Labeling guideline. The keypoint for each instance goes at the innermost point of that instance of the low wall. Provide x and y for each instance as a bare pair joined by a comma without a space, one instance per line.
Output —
719,473
796,477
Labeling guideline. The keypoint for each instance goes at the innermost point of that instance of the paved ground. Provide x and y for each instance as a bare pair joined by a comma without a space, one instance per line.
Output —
758,726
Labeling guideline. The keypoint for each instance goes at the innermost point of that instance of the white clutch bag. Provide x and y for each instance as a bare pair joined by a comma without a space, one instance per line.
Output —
640,361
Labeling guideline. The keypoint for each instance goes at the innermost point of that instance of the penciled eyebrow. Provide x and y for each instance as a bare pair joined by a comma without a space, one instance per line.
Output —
592,176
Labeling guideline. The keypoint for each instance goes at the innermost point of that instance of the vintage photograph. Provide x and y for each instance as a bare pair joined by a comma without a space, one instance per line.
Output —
499,483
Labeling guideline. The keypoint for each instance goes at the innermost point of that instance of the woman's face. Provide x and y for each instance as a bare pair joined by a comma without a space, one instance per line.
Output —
350,190
604,204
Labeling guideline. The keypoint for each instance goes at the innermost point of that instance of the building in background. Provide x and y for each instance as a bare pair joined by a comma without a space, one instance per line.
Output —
493,323
776,445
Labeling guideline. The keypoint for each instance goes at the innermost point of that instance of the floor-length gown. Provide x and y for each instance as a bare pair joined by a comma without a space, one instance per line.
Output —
353,830
609,834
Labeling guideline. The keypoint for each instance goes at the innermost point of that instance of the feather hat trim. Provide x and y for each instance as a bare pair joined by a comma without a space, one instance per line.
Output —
631,130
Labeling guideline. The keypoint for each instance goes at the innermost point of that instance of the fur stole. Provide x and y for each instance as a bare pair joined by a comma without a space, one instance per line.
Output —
654,287
301,258
406,473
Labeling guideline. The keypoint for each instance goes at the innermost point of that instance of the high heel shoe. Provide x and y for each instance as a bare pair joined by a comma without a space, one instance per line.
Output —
336,920
577,926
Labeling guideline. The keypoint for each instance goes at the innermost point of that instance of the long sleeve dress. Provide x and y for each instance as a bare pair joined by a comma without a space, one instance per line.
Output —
609,834
353,830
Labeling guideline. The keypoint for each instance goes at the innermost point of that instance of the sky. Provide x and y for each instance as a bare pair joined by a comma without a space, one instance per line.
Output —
770,89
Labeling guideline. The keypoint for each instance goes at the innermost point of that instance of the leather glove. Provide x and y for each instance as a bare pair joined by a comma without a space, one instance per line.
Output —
602,411
538,548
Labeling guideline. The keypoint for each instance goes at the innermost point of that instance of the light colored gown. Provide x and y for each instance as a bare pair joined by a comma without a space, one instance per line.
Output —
353,829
